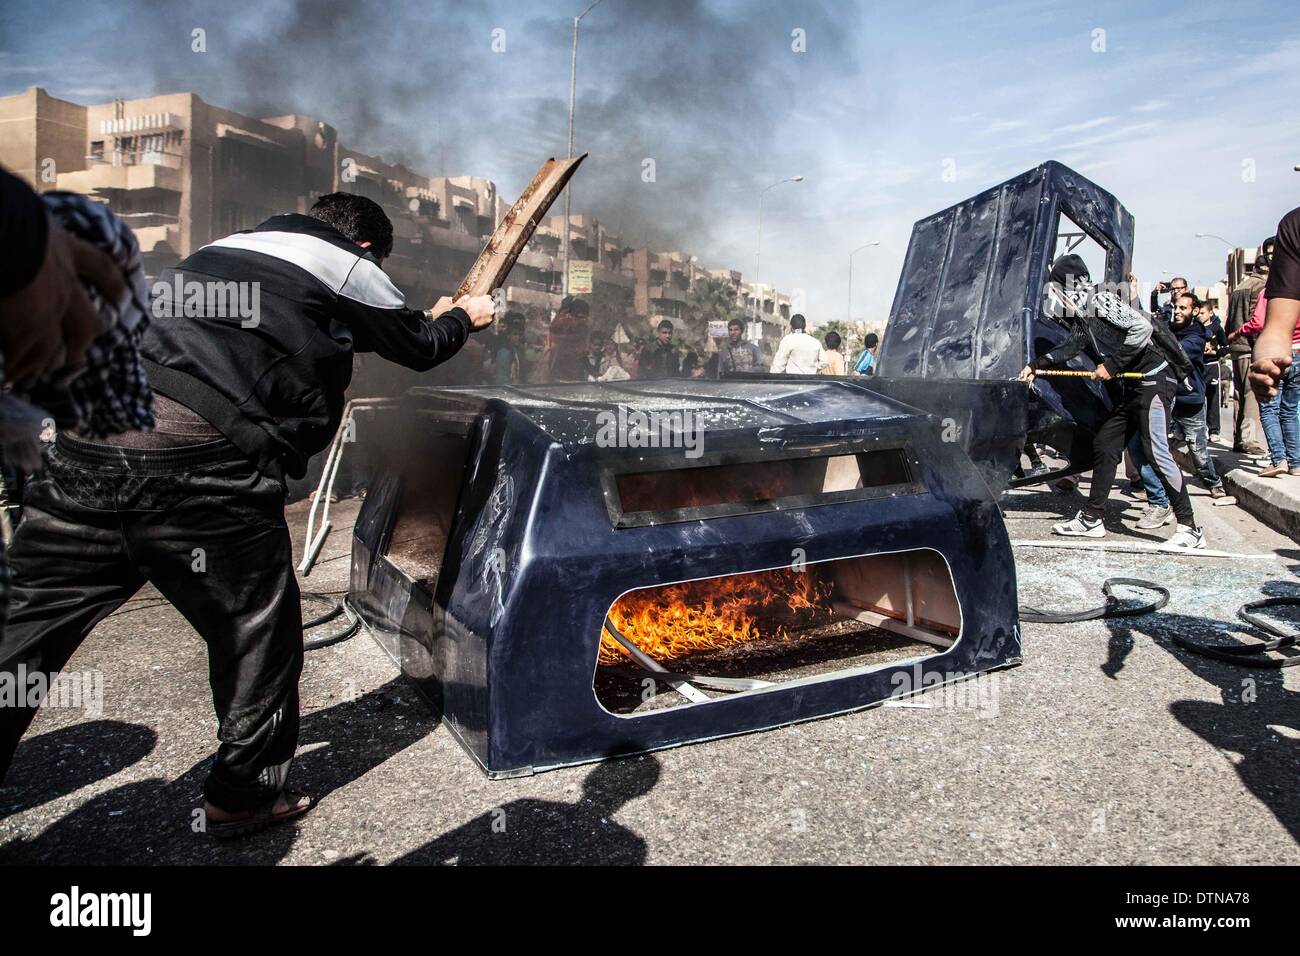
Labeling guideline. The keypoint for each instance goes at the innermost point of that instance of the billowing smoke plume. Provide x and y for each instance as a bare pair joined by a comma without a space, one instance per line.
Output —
680,103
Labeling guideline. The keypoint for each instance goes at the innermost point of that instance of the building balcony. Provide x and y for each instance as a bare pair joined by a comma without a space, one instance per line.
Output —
538,259
105,179
150,237
603,275
454,239
525,294
139,221
668,293
535,285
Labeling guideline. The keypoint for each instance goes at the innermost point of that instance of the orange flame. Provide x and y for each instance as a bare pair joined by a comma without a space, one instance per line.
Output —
679,619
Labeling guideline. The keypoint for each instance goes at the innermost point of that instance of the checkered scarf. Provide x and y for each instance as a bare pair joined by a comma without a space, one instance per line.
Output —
110,394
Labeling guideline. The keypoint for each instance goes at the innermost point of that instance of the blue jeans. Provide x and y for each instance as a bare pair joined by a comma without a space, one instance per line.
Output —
1278,415
1190,424
1155,491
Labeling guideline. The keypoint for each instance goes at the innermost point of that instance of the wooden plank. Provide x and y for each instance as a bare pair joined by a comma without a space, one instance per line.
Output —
494,263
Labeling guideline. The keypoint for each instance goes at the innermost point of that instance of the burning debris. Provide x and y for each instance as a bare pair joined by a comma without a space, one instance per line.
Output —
717,613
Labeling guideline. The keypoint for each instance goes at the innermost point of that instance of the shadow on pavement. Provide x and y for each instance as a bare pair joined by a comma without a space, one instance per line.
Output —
55,764
552,831
152,821
1254,701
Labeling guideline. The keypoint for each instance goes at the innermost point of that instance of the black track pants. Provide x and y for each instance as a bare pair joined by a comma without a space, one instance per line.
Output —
1143,407
208,530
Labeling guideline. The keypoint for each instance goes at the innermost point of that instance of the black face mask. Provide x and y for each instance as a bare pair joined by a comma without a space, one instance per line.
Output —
1070,272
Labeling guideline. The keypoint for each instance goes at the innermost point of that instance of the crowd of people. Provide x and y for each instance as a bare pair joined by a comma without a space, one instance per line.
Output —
1260,429
572,350
1163,369
1209,344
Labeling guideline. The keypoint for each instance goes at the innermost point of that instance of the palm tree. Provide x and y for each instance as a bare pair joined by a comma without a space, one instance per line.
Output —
851,336
710,300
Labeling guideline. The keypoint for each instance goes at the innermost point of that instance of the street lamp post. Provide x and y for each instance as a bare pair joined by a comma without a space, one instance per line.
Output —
1210,235
848,315
573,89
758,255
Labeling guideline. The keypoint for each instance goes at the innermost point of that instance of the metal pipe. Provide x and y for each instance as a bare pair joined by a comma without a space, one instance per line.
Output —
1070,373
848,314
573,89
758,255
325,488
685,688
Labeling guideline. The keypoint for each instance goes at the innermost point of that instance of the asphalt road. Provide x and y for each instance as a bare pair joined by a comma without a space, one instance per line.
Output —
1108,745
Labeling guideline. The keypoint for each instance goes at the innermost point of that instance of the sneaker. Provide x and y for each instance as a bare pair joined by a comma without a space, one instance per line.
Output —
1155,517
1080,526
1217,491
1066,485
1294,471
1215,438
1275,471
1185,539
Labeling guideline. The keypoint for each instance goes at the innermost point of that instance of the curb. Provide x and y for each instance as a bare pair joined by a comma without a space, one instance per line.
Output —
1274,501
1271,500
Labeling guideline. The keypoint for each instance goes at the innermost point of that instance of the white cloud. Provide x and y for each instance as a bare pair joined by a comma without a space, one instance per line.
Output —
1086,124
1100,164
1004,126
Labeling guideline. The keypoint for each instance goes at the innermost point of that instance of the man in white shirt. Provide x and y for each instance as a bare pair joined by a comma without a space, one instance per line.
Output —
799,353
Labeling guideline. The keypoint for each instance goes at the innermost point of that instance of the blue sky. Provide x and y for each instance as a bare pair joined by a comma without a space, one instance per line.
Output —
1187,114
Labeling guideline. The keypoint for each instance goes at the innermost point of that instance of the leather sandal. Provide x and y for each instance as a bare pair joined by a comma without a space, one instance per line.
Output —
253,821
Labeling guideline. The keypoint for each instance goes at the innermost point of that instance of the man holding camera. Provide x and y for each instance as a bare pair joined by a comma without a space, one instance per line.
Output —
1175,287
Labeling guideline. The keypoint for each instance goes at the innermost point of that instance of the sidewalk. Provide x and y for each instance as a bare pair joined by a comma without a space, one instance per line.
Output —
1274,501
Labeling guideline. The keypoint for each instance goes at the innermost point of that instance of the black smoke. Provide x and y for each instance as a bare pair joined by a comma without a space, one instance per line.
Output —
702,89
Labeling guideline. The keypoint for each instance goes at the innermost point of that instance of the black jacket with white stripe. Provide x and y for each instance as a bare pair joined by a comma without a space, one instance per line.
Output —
267,360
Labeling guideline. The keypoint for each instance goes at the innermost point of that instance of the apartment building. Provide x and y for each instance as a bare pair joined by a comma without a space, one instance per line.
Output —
663,283
184,172
612,293
765,302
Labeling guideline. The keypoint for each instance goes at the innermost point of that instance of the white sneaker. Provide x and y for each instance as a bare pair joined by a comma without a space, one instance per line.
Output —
1080,526
1185,539
1155,517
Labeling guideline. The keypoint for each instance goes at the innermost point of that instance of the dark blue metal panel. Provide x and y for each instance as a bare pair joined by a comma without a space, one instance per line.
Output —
969,299
507,649
505,642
